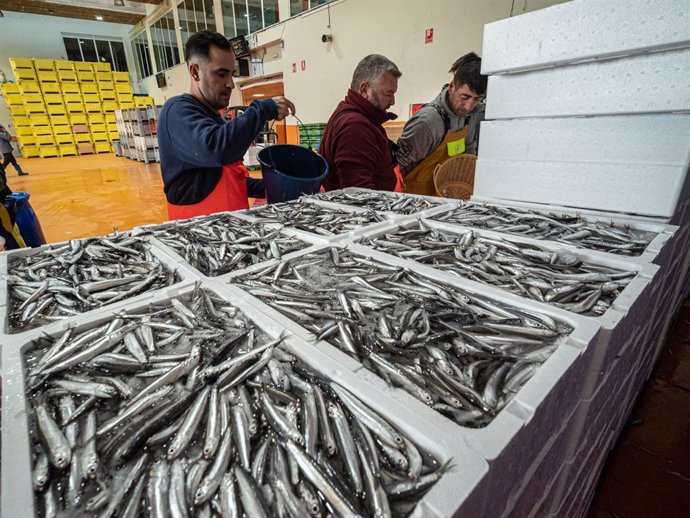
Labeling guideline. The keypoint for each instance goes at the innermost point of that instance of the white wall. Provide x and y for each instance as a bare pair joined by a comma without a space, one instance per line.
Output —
37,36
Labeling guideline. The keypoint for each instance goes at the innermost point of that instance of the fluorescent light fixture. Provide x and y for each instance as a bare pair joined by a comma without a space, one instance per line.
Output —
119,3
258,95
99,17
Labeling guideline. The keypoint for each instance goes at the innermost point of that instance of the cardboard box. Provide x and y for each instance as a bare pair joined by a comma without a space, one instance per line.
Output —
85,149
80,128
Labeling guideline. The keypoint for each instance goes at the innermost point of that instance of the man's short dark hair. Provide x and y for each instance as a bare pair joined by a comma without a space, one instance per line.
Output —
199,43
467,70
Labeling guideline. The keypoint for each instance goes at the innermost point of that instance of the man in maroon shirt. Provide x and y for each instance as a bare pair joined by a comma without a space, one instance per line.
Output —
354,144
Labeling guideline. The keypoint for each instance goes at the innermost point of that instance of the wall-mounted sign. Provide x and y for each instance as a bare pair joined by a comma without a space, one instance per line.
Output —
304,65
414,108
294,68
429,35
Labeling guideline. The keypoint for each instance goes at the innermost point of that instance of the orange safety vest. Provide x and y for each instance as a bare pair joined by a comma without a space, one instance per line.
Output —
230,193
420,180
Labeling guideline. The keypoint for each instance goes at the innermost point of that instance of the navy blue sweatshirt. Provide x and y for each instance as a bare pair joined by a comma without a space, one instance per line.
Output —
195,143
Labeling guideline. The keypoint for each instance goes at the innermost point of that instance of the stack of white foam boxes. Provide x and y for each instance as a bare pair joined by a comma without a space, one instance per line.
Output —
588,111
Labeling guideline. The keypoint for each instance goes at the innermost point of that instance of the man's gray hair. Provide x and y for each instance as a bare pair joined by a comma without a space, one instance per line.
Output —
371,68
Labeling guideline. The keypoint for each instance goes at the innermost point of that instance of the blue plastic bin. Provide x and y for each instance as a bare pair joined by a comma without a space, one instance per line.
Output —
291,171
28,223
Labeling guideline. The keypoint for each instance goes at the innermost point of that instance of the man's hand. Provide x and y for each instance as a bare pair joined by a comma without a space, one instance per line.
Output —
285,107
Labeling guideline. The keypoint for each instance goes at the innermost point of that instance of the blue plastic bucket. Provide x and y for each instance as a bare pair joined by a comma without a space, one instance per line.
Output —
291,171
28,223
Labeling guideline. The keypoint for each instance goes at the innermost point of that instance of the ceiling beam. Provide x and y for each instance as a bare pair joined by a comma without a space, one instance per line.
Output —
81,10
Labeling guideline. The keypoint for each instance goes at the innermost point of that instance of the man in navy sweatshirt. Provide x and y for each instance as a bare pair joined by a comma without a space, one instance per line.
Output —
201,154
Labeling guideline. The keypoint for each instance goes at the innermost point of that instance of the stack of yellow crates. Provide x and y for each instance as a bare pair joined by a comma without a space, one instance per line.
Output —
65,108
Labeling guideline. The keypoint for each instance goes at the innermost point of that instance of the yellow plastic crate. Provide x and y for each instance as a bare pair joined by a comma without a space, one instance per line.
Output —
48,151
72,98
21,63
104,77
101,67
59,120
124,105
67,75
82,138
51,88
26,140
47,76
15,99
108,95
35,108
81,66
42,130
102,147
78,118
110,117
44,64
53,98
123,88
9,88
91,98
62,129
16,110
121,77
125,98
113,135
141,102
64,138
21,121
62,64
39,120
67,150
95,118
89,88
100,136
86,77
29,87
24,74
106,85
110,106
71,88
24,131
74,108
92,107
45,140
98,127
111,126
33,98
56,109
29,151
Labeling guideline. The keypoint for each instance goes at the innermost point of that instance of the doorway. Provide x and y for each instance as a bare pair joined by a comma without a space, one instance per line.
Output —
264,91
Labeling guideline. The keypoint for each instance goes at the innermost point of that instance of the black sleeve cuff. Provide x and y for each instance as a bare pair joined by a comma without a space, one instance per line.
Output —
255,188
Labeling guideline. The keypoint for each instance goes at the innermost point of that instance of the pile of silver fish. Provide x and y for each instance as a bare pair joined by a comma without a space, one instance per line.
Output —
71,278
558,278
462,354
379,201
314,218
221,243
562,228
188,409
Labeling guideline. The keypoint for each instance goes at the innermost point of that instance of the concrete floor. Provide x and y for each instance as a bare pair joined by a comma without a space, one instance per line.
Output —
648,472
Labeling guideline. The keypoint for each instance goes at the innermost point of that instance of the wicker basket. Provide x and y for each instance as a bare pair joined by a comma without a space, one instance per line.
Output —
454,178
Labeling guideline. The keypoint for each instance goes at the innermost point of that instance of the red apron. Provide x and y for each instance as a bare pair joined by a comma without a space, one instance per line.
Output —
230,193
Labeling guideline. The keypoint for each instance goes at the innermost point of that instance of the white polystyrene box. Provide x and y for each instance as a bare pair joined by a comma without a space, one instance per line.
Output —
651,190
184,276
648,83
658,251
653,139
583,30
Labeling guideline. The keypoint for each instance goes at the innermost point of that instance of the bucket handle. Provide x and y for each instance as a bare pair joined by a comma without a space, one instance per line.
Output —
299,122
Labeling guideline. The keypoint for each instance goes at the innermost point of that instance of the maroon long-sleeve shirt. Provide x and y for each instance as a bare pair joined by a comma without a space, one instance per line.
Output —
356,147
